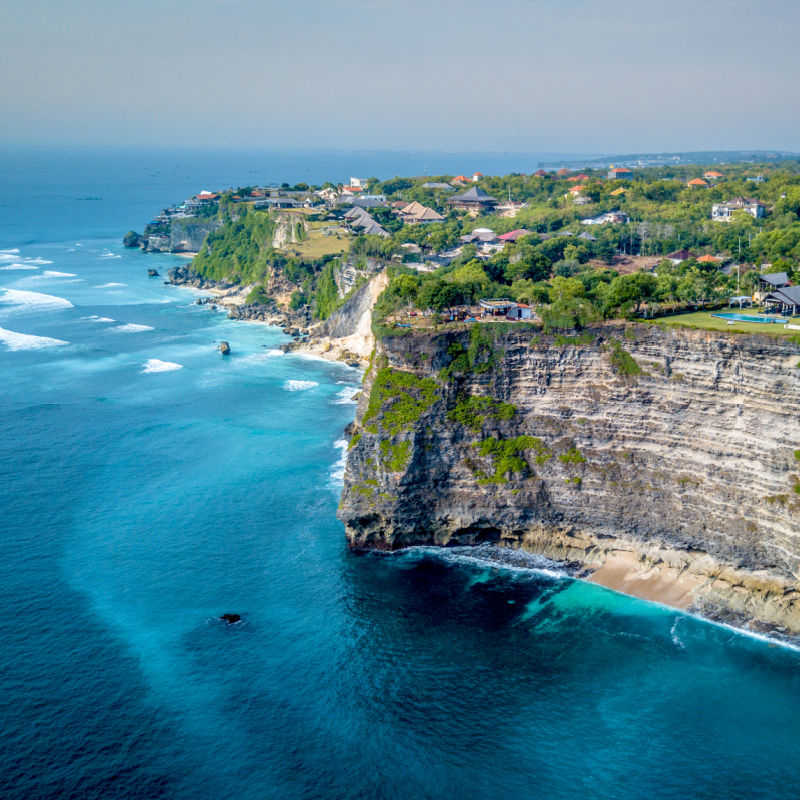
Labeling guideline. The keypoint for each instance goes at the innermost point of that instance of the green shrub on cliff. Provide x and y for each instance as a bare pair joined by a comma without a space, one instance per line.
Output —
237,251
395,455
403,398
473,411
507,457
622,361
258,294
572,456
479,357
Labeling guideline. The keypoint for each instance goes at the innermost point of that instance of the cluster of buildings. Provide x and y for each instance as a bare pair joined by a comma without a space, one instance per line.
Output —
777,293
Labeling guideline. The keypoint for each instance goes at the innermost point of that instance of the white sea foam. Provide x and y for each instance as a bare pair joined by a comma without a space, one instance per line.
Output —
39,261
17,265
33,301
132,327
110,255
518,562
110,285
346,396
337,472
156,365
299,386
95,318
26,341
52,273
10,250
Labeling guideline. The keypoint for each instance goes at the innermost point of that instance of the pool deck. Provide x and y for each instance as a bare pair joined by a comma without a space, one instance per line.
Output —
707,320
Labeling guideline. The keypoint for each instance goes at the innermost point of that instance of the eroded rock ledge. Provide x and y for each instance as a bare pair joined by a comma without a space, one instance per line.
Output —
663,460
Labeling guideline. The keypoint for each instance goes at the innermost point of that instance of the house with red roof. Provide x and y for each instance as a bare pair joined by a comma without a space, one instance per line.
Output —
512,236
712,175
620,174
696,183
476,176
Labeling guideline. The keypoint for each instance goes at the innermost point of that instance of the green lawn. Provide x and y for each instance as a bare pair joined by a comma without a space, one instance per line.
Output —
703,319
318,244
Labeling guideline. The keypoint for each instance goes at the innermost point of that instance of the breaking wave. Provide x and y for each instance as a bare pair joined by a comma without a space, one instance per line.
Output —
131,327
337,471
111,286
346,396
26,341
156,365
33,301
299,386
17,265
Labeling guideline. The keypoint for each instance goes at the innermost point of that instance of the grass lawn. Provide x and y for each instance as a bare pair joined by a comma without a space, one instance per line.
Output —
318,244
703,319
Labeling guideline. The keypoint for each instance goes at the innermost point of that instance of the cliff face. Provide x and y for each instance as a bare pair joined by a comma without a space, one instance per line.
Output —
184,235
669,451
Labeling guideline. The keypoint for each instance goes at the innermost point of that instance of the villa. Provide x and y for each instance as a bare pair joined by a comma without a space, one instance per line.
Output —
474,200
786,300
723,212
620,174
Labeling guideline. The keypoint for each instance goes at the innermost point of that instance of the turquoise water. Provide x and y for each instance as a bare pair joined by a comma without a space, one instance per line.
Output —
149,485
749,317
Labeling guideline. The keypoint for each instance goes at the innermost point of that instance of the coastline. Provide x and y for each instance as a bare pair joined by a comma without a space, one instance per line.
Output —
352,348
694,582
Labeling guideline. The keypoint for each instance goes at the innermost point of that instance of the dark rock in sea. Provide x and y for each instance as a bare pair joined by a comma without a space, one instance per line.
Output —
132,239
152,273
224,348
349,429
231,618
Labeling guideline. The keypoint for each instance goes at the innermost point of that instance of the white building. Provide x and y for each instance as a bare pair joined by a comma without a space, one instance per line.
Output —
723,212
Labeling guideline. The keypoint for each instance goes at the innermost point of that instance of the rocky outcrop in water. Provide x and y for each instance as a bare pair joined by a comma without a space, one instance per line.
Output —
670,453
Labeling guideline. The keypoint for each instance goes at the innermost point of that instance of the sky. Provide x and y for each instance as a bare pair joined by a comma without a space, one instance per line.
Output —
556,76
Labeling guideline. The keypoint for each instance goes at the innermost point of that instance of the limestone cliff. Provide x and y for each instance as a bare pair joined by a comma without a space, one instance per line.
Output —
179,235
665,461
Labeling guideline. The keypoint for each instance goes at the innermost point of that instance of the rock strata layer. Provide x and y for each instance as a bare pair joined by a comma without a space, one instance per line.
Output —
662,460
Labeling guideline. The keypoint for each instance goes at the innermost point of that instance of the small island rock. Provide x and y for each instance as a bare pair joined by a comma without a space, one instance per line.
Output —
152,273
132,239
231,618
225,348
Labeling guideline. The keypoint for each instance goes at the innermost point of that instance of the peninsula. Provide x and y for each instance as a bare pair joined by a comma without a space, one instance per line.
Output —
600,366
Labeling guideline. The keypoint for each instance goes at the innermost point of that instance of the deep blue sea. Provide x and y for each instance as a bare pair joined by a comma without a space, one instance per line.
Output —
149,485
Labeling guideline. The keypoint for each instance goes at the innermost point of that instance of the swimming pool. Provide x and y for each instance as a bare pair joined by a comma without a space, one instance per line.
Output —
749,317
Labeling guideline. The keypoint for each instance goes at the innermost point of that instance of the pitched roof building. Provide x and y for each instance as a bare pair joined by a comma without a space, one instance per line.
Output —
473,200
787,299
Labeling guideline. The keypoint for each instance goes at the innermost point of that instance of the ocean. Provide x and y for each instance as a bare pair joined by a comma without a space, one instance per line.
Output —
149,485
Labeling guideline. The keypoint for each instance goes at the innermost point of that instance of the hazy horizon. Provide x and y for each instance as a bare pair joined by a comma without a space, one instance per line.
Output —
575,77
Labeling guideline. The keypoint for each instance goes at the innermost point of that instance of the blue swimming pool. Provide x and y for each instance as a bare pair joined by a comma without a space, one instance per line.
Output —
749,317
